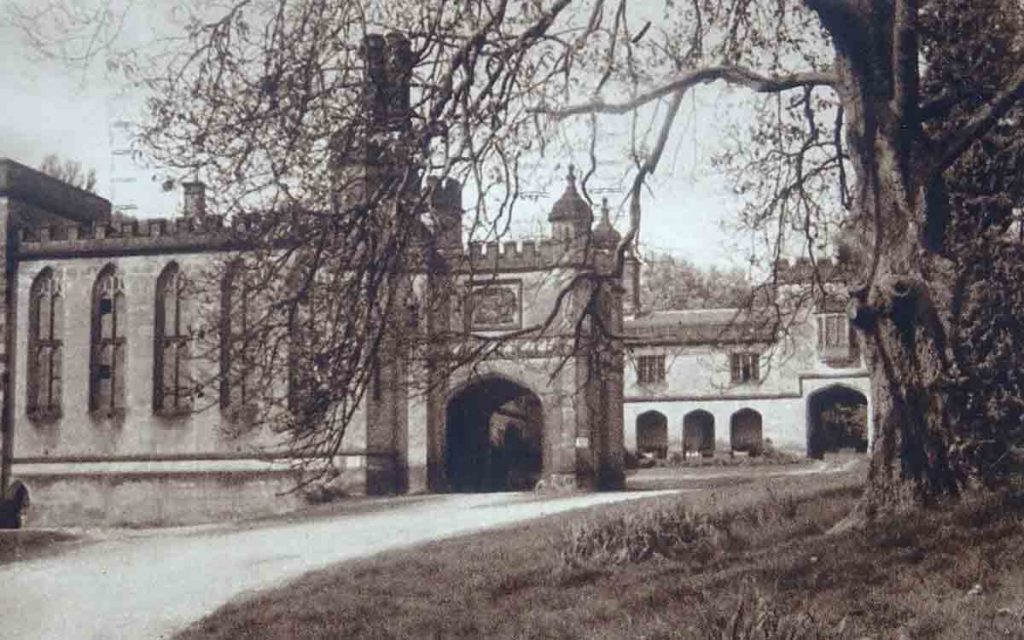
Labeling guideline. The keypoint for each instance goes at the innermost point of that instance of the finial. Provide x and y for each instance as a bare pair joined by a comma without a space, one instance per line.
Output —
571,178
605,212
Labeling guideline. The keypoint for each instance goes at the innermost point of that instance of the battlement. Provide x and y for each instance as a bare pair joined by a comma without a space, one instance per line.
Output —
527,255
181,235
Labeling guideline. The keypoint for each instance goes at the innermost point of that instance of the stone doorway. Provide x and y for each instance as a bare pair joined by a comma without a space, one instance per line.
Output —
494,438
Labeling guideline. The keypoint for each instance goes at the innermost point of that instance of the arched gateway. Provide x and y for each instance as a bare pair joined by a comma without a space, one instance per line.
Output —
836,419
494,437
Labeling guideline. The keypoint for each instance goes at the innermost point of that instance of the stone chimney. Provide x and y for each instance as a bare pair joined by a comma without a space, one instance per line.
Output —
194,199
446,207
388,71
631,284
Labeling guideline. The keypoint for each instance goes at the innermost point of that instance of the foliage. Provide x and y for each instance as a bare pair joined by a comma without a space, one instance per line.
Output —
973,48
668,282
986,382
639,536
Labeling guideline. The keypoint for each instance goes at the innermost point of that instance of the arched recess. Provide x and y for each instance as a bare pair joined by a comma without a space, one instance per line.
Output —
745,431
494,437
172,389
837,418
45,346
652,433
699,432
109,342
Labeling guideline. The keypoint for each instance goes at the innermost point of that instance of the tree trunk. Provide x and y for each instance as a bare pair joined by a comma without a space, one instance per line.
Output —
900,298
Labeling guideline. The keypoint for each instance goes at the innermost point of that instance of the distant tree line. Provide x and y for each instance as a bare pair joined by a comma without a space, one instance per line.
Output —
670,282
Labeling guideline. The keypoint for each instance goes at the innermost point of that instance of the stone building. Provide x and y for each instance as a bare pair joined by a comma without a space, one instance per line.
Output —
98,427
730,379
97,341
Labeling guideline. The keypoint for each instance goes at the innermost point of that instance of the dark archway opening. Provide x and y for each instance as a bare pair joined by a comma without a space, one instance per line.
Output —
652,434
745,431
494,438
699,432
837,419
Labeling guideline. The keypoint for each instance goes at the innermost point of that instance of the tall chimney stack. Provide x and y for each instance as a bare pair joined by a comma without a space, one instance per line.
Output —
195,199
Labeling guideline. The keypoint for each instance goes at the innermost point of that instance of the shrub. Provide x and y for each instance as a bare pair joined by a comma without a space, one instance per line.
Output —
634,536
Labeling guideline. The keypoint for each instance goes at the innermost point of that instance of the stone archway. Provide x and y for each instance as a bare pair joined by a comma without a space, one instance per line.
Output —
745,431
494,437
652,433
699,432
837,418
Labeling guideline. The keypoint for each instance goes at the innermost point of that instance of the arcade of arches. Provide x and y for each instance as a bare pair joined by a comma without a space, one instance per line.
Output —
745,432
494,438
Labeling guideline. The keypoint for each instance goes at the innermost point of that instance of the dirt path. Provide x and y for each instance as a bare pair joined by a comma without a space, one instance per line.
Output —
148,585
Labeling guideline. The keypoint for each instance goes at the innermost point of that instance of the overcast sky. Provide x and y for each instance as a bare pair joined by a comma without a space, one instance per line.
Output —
48,108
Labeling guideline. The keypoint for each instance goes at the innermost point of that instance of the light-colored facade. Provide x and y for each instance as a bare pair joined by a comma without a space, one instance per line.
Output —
683,380
87,432
703,354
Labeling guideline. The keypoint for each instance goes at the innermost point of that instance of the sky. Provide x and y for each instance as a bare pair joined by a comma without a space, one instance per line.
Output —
51,108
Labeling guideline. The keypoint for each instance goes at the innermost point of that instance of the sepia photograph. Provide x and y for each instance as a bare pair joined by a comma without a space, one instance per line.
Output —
512,319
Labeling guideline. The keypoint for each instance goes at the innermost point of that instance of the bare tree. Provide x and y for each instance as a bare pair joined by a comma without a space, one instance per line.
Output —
69,171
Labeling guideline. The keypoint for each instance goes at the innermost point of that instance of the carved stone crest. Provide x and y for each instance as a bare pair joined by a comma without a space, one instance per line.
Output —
496,306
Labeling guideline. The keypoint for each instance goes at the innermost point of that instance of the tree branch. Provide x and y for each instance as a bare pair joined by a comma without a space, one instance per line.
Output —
906,78
729,73
986,117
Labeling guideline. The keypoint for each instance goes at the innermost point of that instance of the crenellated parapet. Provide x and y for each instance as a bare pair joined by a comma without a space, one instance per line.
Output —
180,235
526,255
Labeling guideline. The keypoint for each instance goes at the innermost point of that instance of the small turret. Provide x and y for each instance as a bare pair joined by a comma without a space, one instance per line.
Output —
604,234
631,283
571,216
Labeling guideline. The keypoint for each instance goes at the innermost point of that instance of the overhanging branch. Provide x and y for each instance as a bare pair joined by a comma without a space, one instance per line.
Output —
732,74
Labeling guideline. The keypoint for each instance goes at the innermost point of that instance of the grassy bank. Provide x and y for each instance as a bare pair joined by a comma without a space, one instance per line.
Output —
23,544
738,562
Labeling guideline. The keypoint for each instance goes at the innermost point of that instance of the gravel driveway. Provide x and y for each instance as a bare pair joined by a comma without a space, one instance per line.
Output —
149,585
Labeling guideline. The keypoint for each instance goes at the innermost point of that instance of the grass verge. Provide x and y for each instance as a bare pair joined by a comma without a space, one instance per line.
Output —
736,562
22,544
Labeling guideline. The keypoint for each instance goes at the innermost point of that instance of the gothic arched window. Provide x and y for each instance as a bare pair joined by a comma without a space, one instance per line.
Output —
45,346
172,391
109,341
235,320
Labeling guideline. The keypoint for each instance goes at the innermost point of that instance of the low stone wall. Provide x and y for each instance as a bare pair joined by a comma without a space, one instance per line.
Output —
106,497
